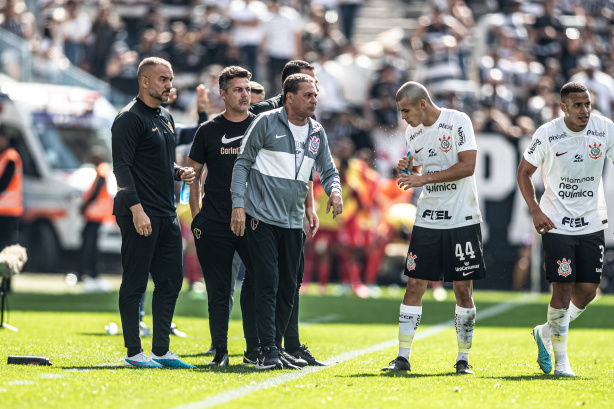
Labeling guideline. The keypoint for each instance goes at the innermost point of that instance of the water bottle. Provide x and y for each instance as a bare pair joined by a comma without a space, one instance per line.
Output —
184,194
406,171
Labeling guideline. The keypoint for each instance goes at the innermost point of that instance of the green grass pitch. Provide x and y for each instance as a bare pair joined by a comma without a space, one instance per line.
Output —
356,336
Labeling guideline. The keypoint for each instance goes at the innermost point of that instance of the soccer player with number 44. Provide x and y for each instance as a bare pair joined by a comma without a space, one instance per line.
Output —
571,215
446,240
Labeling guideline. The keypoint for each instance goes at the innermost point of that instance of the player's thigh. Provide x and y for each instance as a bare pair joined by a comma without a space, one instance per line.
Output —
589,258
560,257
463,255
424,256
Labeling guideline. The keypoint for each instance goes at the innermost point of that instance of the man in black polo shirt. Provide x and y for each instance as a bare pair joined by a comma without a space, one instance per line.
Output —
292,343
143,145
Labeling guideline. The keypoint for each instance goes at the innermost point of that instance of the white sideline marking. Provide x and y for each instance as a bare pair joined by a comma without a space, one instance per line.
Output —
233,394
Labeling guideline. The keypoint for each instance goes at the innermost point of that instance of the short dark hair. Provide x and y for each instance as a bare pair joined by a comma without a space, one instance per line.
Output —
256,87
293,83
150,62
295,67
231,72
572,87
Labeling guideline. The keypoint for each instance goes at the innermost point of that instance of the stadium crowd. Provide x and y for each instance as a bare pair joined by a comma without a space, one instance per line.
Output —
503,68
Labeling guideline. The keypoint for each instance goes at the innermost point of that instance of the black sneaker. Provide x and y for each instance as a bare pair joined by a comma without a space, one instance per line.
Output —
300,362
286,362
462,367
398,364
252,357
303,353
269,359
220,359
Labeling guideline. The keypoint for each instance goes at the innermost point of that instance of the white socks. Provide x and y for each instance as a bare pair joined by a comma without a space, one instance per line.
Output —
464,321
558,323
574,312
409,318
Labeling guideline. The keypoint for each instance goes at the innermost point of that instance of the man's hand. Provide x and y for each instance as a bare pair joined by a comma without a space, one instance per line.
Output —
542,223
202,99
141,221
405,164
237,221
336,202
314,222
187,175
406,181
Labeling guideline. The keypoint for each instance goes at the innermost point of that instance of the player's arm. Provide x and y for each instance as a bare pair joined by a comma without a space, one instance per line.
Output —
329,177
310,211
250,146
195,188
464,168
542,223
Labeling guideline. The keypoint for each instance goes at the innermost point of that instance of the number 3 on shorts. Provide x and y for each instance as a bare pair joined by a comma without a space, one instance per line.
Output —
468,251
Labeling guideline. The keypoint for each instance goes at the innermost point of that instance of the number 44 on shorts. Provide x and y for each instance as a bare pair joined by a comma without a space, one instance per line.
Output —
468,251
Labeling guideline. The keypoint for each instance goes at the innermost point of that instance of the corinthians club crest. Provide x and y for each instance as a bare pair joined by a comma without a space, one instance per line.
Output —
314,144
564,267
445,144
595,151
411,262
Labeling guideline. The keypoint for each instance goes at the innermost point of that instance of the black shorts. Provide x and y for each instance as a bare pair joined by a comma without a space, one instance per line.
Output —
452,254
574,259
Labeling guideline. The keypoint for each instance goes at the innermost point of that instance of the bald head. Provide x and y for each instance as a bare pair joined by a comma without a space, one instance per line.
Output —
413,92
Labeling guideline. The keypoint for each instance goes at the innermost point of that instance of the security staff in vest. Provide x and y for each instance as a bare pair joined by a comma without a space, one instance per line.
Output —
97,208
143,145
277,155
292,342
11,192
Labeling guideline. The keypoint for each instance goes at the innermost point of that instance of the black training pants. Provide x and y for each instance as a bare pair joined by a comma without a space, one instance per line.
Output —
89,250
161,255
275,254
291,335
216,245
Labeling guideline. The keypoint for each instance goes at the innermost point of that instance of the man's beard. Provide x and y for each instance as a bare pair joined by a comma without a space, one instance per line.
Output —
159,96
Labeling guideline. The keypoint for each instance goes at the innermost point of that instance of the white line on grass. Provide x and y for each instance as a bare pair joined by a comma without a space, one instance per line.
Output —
236,393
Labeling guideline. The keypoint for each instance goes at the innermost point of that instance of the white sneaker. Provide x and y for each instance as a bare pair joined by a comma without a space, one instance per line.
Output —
563,369
141,360
170,360
96,285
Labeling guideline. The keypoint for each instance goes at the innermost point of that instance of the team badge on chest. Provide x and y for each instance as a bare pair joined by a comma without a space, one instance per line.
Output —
564,267
314,144
445,145
411,262
595,151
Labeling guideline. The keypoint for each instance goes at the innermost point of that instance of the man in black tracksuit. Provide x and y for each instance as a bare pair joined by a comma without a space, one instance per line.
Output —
291,337
277,155
143,145
216,144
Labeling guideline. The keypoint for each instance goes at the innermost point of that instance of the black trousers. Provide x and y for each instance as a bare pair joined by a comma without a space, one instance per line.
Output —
275,254
291,336
89,250
216,245
161,255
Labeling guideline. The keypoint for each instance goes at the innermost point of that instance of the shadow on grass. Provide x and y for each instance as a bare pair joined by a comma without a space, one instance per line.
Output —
537,377
396,374
202,354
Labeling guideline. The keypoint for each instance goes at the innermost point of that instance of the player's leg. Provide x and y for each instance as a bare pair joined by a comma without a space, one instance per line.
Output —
137,252
463,263
560,260
423,264
248,307
167,274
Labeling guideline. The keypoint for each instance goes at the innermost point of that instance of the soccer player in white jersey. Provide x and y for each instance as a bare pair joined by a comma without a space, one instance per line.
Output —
446,240
571,215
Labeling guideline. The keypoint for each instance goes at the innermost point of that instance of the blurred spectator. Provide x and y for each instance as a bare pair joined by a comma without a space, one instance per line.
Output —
357,78
348,9
282,41
547,33
75,29
215,36
104,29
16,20
247,31
597,82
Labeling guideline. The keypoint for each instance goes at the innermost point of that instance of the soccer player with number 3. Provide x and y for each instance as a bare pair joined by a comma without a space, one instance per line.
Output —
571,215
446,240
